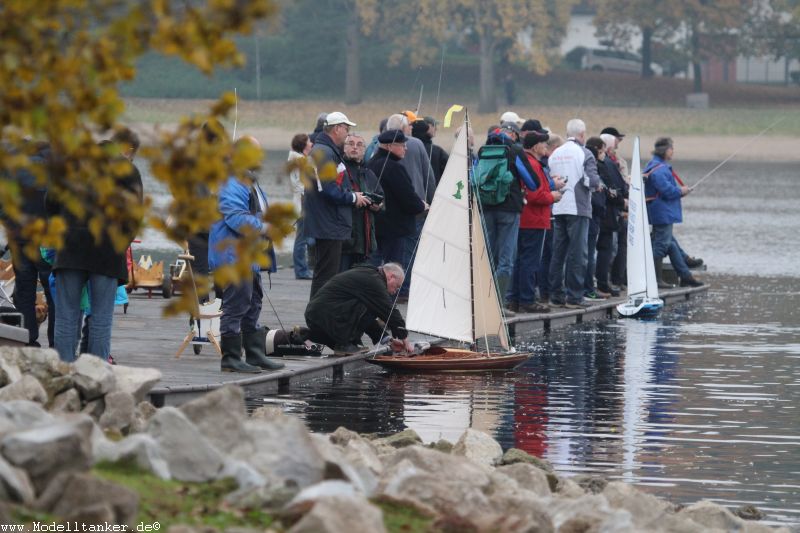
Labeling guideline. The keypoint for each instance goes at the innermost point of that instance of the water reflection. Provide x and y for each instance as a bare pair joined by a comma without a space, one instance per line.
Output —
701,403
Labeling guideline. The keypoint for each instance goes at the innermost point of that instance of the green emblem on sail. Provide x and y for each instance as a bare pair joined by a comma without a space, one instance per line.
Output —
459,186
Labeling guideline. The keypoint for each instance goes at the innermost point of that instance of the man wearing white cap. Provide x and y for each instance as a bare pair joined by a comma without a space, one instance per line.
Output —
511,117
329,201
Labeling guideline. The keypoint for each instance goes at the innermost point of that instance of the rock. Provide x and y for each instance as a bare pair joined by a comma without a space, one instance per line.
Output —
479,447
188,453
78,493
341,513
405,438
281,448
9,372
68,401
219,415
520,512
26,388
342,436
588,513
44,452
648,512
337,466
713,516
749,512
274,495
134,380
144,412
566,488
443,465
15,485
140,449
94,408
119,411
515,455
246,476
324,489
266,413
591,484
528,477
442,445
55,385
93,377
99,513
22,414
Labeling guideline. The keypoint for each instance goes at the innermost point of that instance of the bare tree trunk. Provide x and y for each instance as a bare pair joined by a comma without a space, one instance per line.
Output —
352,81
487,102
647,52
258,66
697,70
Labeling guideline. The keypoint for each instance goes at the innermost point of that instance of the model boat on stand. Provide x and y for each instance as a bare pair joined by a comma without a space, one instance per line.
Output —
453,293
643,300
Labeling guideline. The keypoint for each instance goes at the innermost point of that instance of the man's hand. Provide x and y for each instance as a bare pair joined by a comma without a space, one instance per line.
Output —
402,345
558,182
376,207
361,200
685,190
557,195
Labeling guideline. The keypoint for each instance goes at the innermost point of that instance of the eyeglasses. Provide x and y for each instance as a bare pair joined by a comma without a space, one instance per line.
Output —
357,145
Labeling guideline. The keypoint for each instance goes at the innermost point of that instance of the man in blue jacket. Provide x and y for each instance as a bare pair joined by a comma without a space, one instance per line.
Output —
242,205
663,192
329,202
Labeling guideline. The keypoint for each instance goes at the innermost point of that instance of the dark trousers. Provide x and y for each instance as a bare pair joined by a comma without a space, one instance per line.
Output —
241,305
619,268
605,255
568,265
393,250
591,255
526,267
366,324
27,273
329,259
543,276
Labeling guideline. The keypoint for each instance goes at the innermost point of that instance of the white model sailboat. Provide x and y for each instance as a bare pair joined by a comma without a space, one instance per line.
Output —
453,294
643,297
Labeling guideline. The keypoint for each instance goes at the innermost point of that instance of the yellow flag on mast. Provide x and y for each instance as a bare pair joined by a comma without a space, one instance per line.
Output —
448,117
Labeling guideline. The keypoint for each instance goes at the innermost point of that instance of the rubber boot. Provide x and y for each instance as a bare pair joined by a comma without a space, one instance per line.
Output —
659,264
502,286
232,356
255,350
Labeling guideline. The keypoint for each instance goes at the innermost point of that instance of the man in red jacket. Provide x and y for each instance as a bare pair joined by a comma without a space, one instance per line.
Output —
534,222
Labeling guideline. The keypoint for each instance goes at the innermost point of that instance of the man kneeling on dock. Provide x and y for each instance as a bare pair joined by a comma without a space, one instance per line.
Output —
355,302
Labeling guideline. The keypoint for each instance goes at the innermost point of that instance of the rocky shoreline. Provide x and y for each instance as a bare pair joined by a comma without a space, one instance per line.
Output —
60,424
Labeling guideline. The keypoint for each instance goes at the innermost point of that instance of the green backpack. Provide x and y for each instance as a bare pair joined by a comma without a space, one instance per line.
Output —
493,177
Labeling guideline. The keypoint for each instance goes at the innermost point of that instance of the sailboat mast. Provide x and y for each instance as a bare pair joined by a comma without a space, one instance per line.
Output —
470,215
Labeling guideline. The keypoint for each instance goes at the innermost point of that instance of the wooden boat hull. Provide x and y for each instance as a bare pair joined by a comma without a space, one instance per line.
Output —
442,359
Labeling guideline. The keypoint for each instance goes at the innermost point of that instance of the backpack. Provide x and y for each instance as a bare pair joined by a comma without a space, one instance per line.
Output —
493,177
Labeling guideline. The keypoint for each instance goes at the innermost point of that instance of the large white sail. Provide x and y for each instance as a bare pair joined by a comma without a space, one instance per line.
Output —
641,271
447,284
439,301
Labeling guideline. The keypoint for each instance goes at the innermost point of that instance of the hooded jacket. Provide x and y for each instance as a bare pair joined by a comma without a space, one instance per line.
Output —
329,201
662,192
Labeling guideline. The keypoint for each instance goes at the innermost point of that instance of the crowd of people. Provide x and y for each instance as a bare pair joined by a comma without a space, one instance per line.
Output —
556,237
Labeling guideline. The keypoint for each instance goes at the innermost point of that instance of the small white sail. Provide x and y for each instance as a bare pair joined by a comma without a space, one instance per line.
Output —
641,271
642,285
447,285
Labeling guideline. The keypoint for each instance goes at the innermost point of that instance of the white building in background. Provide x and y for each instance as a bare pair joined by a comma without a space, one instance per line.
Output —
581,32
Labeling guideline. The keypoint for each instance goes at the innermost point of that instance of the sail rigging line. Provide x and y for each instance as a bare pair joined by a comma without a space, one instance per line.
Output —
235,111
470,179
738,150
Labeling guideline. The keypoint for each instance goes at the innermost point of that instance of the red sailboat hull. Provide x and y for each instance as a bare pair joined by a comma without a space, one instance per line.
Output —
443,359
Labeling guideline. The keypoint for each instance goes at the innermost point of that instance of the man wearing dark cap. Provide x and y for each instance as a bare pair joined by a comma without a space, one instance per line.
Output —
619,160
663,192
394,225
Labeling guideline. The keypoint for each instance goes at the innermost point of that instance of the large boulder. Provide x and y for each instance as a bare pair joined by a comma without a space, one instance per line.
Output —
22,414
443,465
188,453
478,447
528,477
281,447
648,512
120,408
407,437
15,485
44,452
219,415
338,466
93,377
144,412
81,494
141,449
515,455
712,516
68,401
588,513
26,388
9,371
335,514
134,380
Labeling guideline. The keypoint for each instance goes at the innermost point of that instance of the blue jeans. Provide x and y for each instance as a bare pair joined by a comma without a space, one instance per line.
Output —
678,259
102,290
529,254
300,252
543,276
591,255
662,239
568,264
502,230
241,305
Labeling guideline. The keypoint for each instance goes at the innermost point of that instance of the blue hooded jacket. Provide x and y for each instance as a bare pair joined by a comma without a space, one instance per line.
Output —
663,193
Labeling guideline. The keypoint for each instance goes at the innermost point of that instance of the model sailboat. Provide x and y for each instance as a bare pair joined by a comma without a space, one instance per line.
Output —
453,294
643,297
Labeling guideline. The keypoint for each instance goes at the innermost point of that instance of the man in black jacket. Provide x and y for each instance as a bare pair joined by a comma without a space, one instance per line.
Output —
355,302
362,244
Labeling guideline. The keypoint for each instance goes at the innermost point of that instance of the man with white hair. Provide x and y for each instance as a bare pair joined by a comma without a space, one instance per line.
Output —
510,117
574,163
612,227
355,302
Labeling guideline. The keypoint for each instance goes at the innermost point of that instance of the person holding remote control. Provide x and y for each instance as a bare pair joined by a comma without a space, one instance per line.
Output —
362,244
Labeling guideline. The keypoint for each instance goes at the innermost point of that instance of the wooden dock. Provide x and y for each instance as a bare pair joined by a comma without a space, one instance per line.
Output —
145,338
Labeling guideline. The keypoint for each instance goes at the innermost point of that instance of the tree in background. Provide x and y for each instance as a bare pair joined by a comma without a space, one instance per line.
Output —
773,29
62,63
527,32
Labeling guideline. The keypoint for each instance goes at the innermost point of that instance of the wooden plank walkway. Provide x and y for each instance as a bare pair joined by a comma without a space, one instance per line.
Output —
145,338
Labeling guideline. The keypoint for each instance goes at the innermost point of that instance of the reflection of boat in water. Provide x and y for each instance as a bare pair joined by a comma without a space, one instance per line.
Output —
453,294
639,357
643,297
